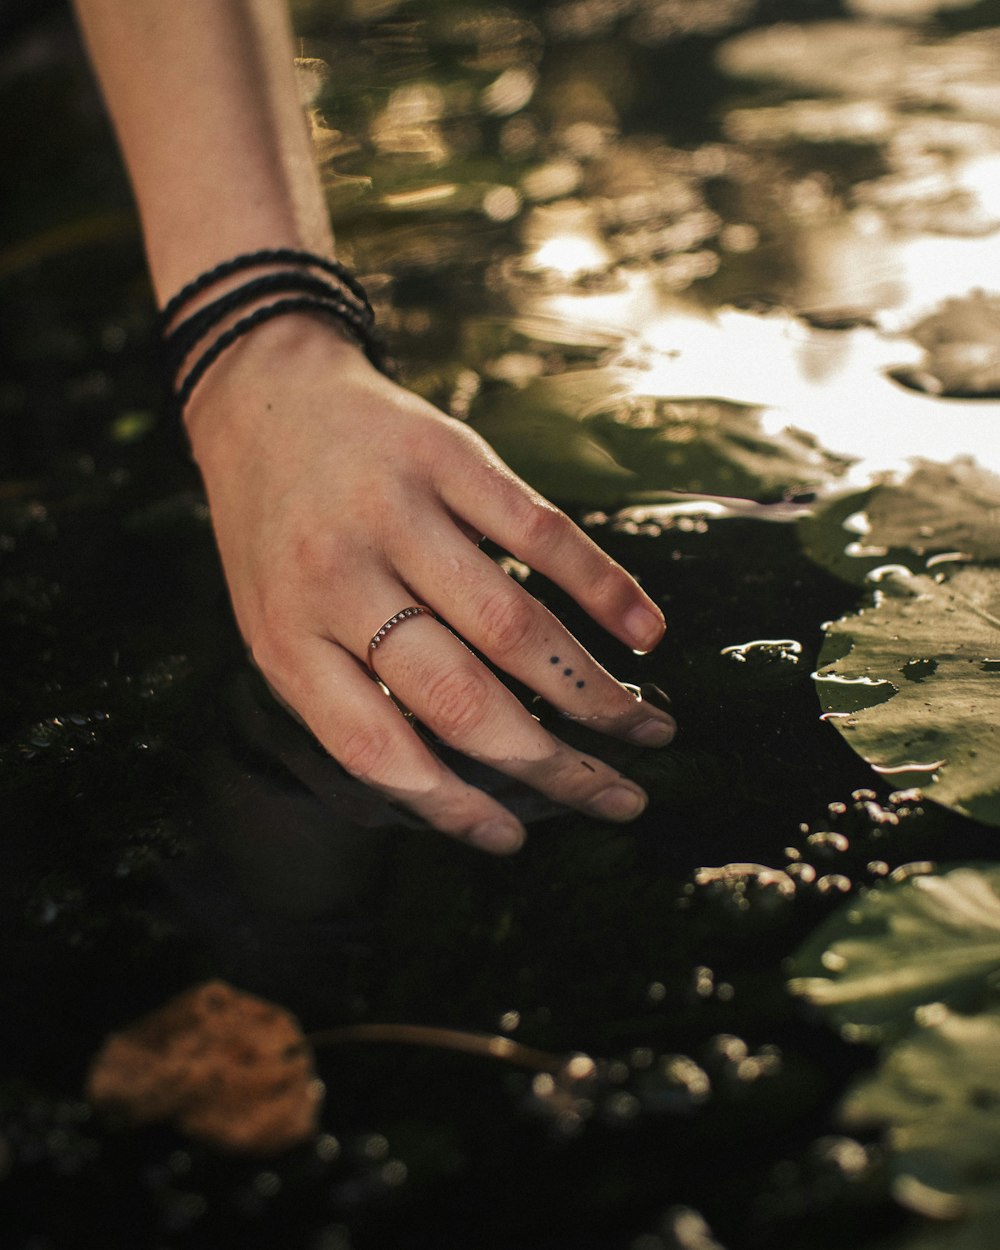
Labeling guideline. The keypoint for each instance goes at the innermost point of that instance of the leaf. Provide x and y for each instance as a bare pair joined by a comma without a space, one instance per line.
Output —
536,432
938,1094
961,342
913,684
923,940
222,1065
938,508
592,436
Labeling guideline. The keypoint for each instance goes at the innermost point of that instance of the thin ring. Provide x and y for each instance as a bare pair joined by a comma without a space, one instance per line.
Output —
415,609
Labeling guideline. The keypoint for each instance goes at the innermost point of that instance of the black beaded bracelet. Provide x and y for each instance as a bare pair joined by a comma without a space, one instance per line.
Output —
346,302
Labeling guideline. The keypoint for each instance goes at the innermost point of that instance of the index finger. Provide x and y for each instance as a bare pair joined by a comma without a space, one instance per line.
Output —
504,508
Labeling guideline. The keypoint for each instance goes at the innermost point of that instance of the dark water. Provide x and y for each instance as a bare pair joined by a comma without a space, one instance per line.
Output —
632,242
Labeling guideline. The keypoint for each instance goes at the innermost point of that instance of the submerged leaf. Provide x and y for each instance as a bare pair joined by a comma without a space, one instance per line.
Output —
925,939
933,649
223,1065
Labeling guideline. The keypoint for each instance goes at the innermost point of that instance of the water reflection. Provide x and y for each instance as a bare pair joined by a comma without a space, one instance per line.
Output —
855,191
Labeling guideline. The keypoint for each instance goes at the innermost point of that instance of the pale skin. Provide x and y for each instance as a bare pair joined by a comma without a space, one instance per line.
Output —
338,497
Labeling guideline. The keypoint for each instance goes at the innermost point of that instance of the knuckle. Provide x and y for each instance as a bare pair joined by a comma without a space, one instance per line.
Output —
366,752
540,523
506,622
318,560
456,702
612,586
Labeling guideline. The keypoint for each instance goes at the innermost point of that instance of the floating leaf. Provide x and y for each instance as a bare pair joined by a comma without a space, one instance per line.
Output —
924,939
592,436
221,1064
913,684
938,1094
540,436
961,341
939,508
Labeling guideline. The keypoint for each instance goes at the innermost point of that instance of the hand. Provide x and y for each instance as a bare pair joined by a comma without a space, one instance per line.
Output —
338,498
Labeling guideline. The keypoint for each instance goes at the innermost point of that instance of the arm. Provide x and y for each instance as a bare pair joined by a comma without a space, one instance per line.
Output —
337,497
204,101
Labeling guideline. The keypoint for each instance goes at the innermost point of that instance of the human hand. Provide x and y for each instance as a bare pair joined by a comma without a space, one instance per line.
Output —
338,499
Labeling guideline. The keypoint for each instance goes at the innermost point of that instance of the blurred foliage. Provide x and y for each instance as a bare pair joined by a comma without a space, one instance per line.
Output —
899,965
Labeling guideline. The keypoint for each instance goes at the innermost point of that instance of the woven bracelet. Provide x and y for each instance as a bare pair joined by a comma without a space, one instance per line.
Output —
304,303
344,300
185,337
251,260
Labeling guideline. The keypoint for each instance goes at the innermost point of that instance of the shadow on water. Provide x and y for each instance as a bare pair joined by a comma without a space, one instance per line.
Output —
686,264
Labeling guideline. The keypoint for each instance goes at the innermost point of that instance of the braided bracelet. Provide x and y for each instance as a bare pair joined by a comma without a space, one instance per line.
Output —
251,260
346,303
185,337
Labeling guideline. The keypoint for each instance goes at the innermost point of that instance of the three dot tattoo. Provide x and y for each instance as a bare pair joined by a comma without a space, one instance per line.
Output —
567,672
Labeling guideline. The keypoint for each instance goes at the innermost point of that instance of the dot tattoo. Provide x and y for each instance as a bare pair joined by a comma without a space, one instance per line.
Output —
567,672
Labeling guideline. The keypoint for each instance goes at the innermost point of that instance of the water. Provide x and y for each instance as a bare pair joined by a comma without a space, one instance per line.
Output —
677,261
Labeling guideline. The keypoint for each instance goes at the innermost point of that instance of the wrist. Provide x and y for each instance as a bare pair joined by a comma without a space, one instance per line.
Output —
240,396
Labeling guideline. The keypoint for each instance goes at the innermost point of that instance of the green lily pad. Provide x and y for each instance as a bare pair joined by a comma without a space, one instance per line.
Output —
592,436
539,433
913,684
937,509
937,1093
923,940
940,507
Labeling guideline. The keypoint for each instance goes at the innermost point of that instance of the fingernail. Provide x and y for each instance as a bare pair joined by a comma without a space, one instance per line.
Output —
653,733
644,627
618,803
497,836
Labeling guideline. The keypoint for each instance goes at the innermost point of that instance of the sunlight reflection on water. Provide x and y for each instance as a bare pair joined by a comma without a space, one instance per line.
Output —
832,384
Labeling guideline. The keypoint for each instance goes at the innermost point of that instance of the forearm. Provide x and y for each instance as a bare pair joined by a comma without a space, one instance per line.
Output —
203,97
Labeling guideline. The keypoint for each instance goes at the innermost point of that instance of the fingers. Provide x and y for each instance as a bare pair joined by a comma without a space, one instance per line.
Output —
489,609
500,505
366,733
461,702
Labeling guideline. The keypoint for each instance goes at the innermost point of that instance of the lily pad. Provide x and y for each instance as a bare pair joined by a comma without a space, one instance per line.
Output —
594,437
961,342
938,1094
913,684
938,509
926,939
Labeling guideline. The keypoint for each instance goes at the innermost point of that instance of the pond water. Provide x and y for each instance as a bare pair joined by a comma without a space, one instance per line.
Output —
715,275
